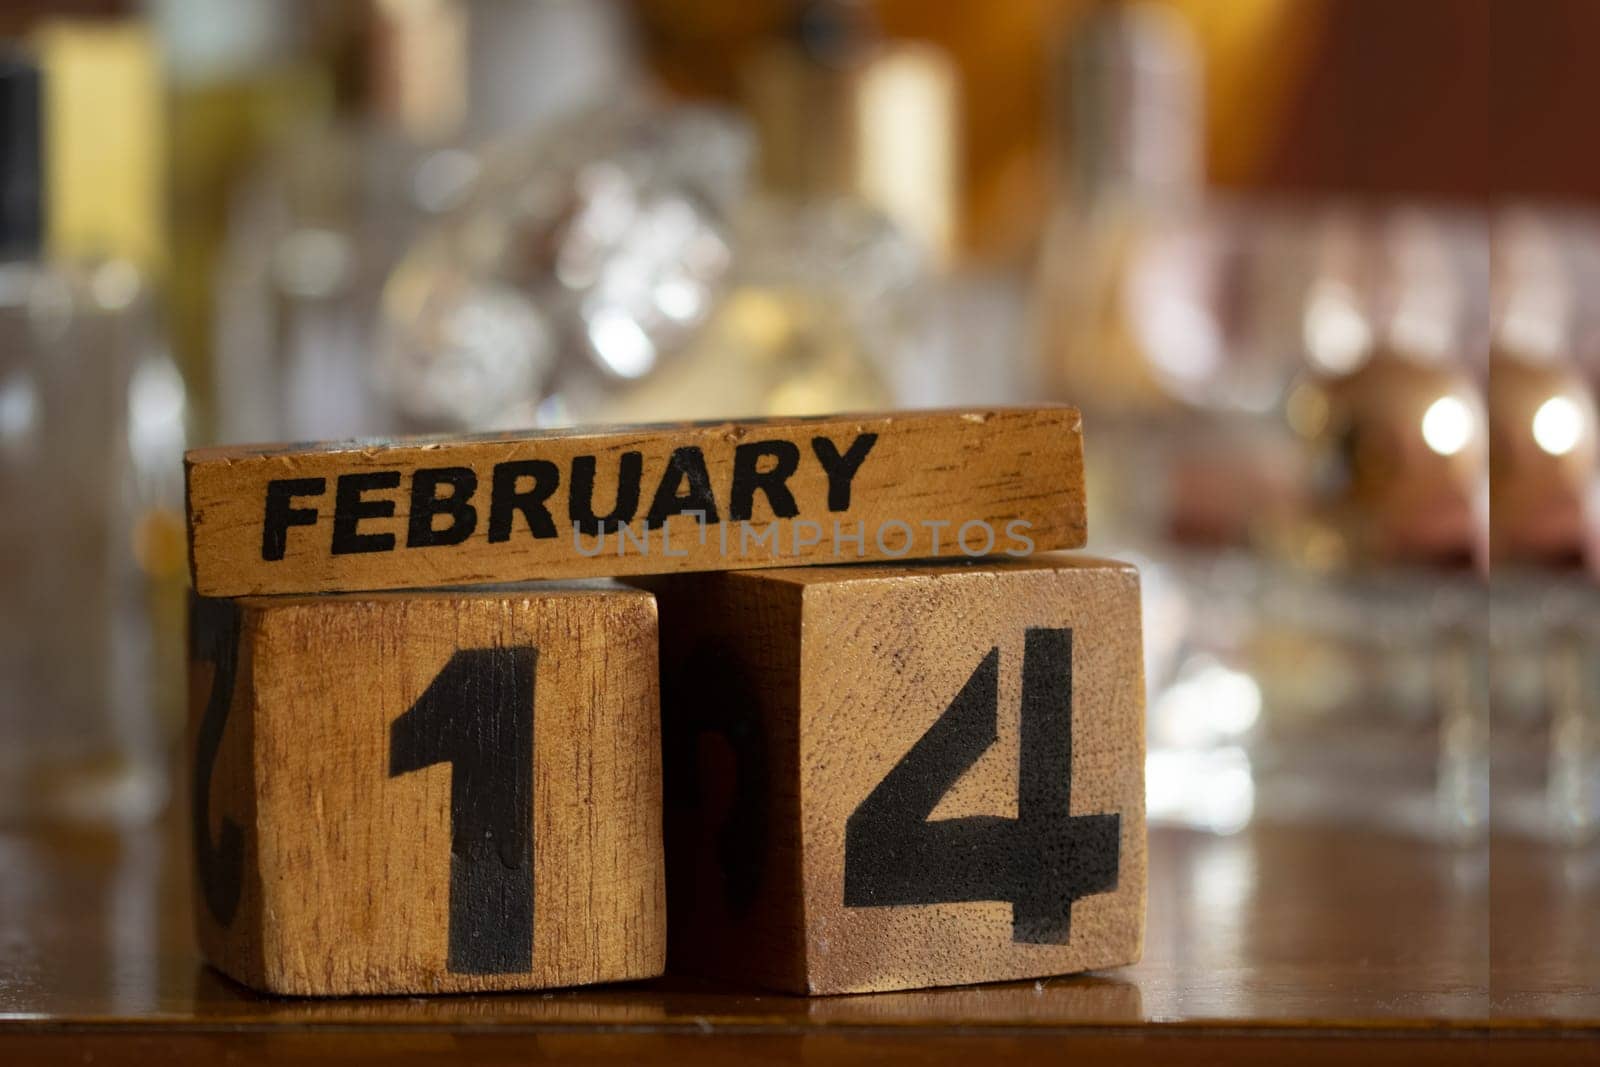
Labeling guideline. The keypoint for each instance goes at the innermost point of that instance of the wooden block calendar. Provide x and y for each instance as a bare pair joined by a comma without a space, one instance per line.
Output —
891,777
923,769
424,793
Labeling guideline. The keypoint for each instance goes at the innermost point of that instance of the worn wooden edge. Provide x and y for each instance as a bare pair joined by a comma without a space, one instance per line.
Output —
1072,421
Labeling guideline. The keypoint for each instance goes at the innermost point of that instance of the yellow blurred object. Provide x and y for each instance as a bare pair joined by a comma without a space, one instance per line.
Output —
1131,107
420,64
160,545
103,148
218,131
876,121
1093,351
1257,54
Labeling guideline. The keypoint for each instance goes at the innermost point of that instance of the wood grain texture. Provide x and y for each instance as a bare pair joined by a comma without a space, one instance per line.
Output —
872,859
367,763
508,507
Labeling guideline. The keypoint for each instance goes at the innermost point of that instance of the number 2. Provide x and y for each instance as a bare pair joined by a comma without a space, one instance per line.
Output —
1039,862
477,716
214,637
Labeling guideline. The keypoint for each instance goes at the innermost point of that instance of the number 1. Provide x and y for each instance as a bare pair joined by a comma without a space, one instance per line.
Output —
477,716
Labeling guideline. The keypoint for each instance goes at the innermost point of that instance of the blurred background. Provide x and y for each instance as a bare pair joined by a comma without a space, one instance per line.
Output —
1303,272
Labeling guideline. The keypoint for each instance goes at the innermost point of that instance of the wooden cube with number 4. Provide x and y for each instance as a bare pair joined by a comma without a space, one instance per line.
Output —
885,777
428,792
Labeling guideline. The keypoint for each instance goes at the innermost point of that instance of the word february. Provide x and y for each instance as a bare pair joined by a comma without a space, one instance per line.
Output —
444,508
501,508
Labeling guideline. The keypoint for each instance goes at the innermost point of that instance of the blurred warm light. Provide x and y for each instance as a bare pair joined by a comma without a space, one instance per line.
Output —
1210,703
19,413
1534,321
1306,410
1424,322
680,299
1212,789
1447,425
1558,425
1177,329
156,406
115,284
442,179
620,343
314,263
1536,315
1338,338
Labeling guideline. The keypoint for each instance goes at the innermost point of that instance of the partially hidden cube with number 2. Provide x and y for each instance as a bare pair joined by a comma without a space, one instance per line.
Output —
889,777
417,793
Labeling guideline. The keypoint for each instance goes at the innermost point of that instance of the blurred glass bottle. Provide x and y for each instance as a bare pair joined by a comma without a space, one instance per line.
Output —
1296,645
313,239
1545,518
586,258
1376,569
619,269
1164,312
313,235
1130,105
92,421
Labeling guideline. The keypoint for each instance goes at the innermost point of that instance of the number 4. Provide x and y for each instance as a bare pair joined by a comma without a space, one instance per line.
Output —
1039,862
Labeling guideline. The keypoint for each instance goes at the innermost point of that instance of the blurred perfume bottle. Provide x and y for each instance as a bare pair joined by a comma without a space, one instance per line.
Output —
821,305
618,267
1390,406
91,434
1544,667
843,112
1400,465
830,298
239,74
316,235
1545,489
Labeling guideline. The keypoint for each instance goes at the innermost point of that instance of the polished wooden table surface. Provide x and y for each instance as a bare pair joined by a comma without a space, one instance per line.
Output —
1277,945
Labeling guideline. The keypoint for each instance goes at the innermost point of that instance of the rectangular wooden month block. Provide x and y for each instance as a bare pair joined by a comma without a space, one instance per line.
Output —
888,777
431,512
418,793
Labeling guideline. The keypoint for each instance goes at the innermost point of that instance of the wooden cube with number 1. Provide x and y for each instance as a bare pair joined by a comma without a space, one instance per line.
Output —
428,792
888,777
